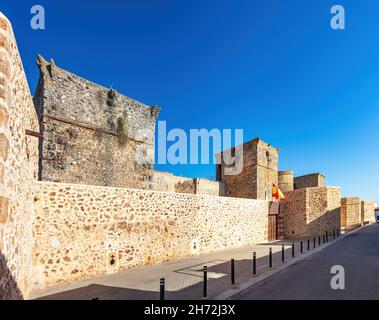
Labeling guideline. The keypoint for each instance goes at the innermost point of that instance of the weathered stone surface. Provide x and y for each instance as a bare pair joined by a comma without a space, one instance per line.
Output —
92,134
164,181
79,228
4,147
260,171
4,209
285,180
309,181
311,211
18,169
368,211
351,212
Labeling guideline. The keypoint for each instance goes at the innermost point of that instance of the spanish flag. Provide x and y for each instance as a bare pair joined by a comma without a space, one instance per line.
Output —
277,193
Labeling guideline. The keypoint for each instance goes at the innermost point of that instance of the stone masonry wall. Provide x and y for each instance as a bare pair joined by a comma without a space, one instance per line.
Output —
92,134
285,181
311,212
351,212
260,171
18,170
309,181
167,182
84,231
368,211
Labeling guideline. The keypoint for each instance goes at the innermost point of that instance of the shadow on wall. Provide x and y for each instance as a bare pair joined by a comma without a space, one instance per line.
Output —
8,286
328,222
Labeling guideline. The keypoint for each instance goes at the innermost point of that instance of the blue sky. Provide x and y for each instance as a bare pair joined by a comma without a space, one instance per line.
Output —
273,68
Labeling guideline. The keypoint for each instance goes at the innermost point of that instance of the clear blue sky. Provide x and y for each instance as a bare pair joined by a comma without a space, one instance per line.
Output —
271,67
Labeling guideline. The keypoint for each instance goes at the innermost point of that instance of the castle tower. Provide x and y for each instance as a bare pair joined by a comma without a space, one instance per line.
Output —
259,171
286,181
92,134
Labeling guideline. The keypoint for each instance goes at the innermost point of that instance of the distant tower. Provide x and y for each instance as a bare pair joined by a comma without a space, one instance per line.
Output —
259,172
286,181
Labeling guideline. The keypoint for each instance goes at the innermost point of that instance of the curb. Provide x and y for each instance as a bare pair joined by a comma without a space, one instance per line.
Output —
228,294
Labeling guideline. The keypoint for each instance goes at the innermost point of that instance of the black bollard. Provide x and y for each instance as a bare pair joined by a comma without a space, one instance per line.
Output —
293,249
326,236
319,240
334,233
205,271
308,245
323,238
254,263
232,271
282,252
338,232
161,290
301,246
314,242
270,258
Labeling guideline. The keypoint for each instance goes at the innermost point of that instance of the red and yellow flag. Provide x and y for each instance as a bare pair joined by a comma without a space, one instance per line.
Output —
277,193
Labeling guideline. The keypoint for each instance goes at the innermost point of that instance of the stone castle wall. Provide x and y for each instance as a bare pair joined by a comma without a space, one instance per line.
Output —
92,134
309,181
124,228
167,182
311,211
260,171
18,170
368,211
351,212
285,181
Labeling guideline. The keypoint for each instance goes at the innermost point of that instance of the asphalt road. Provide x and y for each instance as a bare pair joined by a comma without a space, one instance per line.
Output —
310,278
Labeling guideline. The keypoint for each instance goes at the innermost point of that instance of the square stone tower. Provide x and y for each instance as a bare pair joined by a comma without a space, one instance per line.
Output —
92,134
259,171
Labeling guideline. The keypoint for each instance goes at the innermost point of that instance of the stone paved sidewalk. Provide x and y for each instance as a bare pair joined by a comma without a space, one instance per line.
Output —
184,278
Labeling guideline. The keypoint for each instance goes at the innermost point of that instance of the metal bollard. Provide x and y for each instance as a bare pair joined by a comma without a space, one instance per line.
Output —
254,263
319,240
205,291
314,242
282,252
323,238
301,246
308,245
232,271
270,257
326,236
338,232
293,249
334,233
162,289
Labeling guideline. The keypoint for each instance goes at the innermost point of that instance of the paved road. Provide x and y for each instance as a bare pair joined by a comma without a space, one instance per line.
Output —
310,278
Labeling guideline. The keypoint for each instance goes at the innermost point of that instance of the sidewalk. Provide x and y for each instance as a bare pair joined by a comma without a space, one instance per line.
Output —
184,278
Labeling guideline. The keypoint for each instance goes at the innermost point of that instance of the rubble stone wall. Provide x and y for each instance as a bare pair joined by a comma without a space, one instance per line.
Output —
351,212
84,231
368,211
309,181
92,134
311,211
18,170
